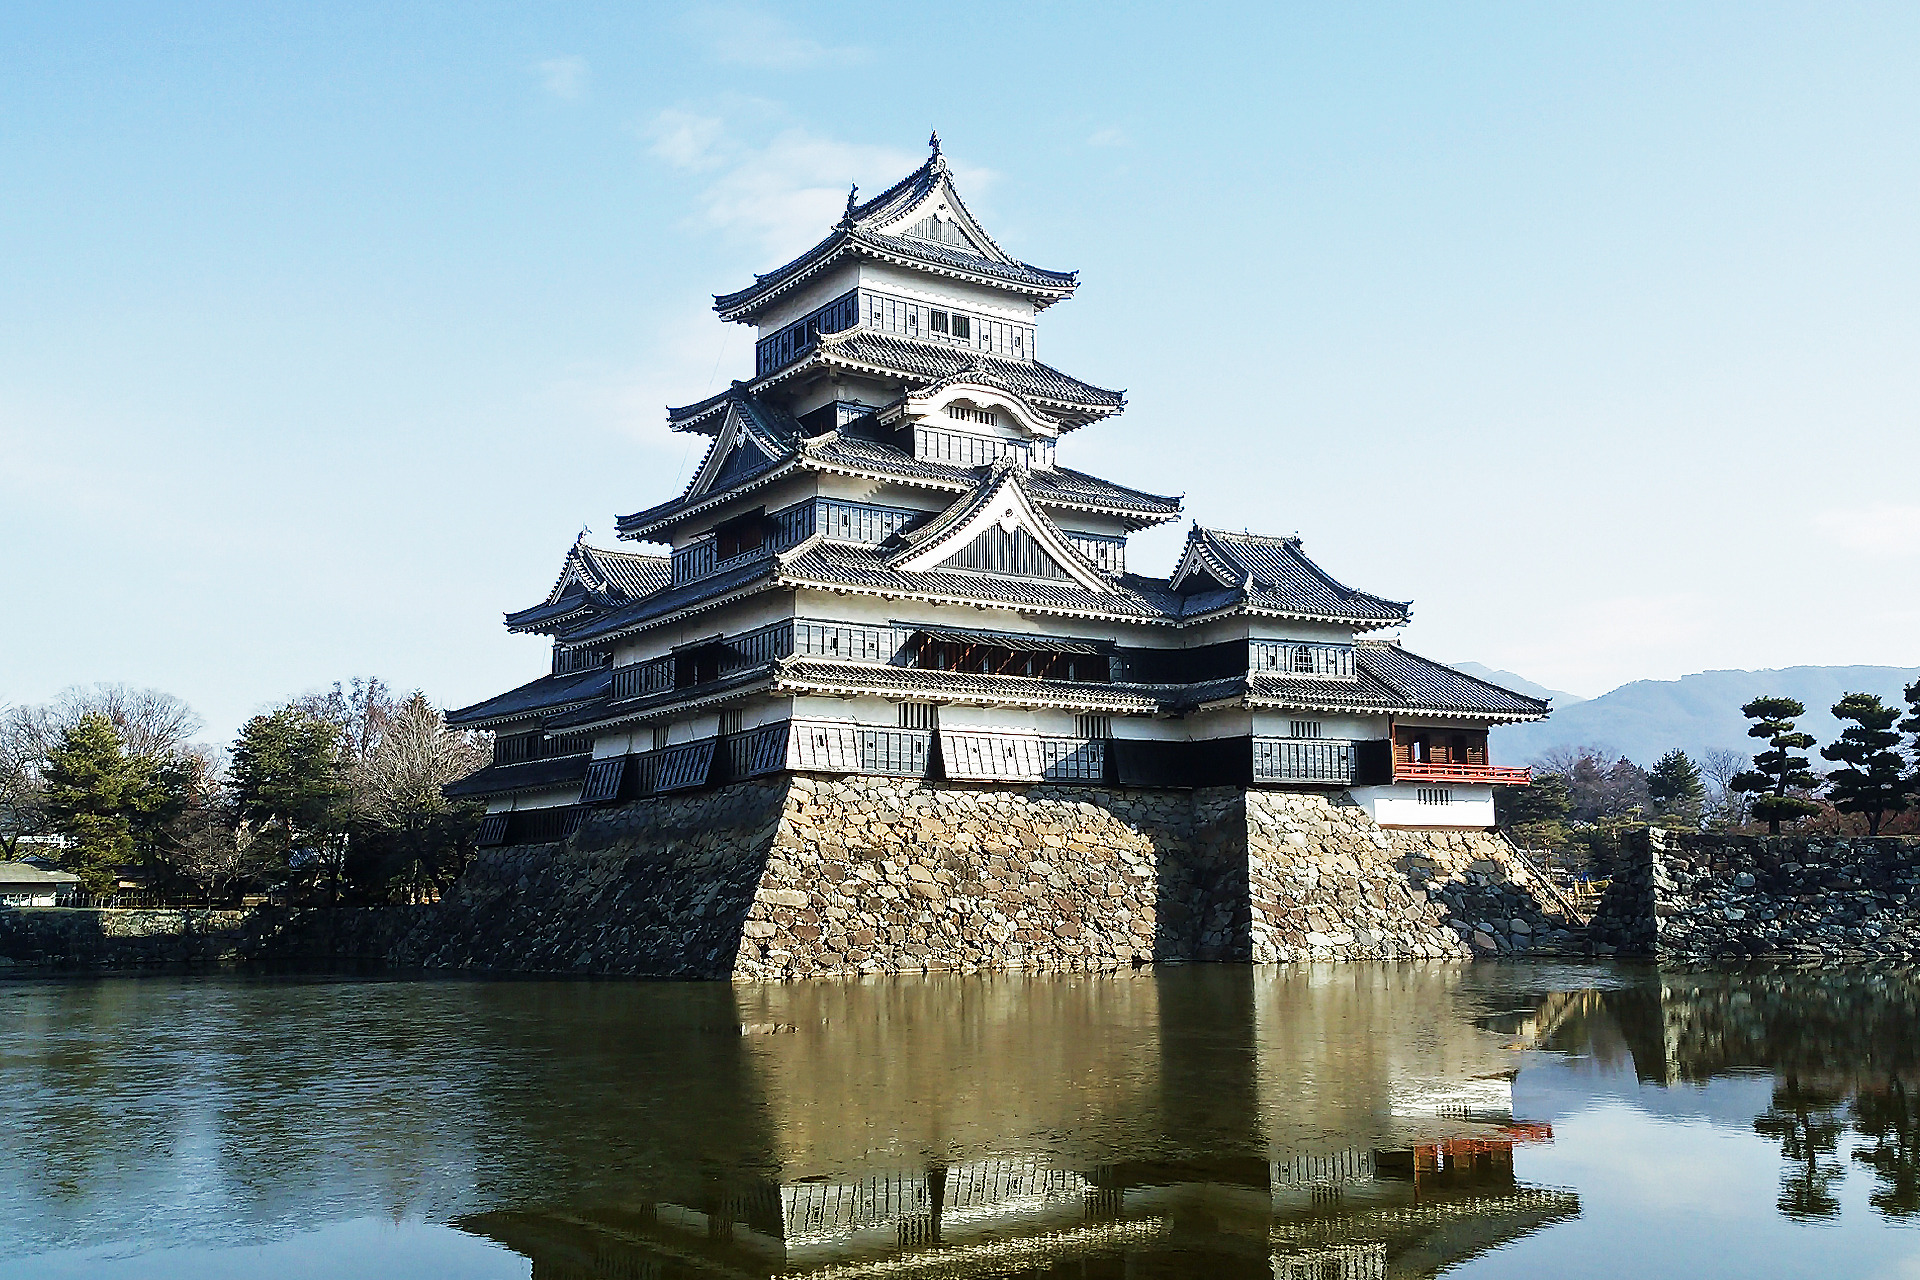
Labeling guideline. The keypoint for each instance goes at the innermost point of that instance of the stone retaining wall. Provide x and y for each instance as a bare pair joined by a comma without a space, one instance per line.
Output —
1699,896
108,938
806,875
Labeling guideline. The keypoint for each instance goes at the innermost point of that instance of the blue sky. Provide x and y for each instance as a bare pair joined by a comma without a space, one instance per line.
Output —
1590,328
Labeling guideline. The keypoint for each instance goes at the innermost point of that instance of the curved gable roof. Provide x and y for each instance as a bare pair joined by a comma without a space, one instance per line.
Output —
873,229
1274,575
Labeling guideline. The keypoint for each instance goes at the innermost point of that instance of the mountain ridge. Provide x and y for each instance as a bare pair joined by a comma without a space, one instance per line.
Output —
1644,719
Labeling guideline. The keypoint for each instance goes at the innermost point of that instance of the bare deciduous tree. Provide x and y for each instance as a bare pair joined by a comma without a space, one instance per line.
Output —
22,756
153,725
1725,806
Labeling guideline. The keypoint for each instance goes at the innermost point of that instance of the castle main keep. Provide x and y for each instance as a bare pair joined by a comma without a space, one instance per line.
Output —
886,580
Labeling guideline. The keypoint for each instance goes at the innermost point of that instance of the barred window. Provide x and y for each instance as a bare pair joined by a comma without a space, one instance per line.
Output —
919,715
1435,795
730,720
1305,728
1094,726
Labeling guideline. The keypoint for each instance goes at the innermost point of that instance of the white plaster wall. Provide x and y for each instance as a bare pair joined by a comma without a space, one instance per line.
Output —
1399,806
1279,724
817,292
903,282
782,493
868,711
1009,720
745,615
534,800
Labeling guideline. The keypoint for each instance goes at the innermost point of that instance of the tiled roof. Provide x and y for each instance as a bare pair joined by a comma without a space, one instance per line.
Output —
574,600
837,564
17,874
815,676
1050,285
593,579
630,572
1424,684
530,775
1049,486
606,712
1273,574
544,694
867,452
673,600
935,360
1388,678
858,232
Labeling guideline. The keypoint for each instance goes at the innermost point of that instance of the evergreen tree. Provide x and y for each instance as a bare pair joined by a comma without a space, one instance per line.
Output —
1674,786
288,777
101,798
1911,725
1777,768
1875,780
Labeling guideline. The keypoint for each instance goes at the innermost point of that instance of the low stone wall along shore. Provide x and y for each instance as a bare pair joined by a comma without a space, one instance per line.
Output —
804,876
1731,898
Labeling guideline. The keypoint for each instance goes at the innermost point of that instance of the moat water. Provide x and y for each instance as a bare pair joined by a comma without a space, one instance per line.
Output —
1218,1123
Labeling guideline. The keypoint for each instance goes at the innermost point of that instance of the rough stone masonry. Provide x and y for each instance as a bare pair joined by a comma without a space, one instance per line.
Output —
808,875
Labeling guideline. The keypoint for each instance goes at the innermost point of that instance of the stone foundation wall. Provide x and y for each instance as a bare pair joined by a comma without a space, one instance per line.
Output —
104,938
661,887
1699,896
806,875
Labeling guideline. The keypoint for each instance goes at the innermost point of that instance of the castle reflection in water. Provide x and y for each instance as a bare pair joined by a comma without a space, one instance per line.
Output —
1320,1156
1343,1216
1181,1123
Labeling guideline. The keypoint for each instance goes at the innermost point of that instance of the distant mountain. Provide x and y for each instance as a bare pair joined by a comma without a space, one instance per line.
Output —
1646,719
1519,684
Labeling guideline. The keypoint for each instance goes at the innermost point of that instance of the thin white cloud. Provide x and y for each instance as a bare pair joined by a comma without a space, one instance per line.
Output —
1887,531
749,36
784,191
563,77
690,355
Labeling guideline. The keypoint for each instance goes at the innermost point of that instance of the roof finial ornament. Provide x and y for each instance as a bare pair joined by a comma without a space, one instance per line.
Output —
933,142
853,190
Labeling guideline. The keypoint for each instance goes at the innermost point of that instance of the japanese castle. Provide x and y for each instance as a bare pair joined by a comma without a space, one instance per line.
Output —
885,566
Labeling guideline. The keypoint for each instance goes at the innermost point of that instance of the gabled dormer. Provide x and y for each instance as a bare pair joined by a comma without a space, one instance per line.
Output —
998,530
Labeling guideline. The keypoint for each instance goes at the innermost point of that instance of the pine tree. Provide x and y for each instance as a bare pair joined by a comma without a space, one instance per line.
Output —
1875,780
1674,786
1911,725
288,776
1777,768
100,798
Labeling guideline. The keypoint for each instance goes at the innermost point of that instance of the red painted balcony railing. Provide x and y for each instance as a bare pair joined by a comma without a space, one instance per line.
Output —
1499,775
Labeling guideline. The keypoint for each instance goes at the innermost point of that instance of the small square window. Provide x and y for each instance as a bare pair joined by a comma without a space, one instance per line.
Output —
936,322
962,327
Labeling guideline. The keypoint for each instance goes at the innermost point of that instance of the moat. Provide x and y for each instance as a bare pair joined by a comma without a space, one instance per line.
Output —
1324,1121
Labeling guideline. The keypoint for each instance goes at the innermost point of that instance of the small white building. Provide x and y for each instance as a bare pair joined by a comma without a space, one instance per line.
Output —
25,885
884,565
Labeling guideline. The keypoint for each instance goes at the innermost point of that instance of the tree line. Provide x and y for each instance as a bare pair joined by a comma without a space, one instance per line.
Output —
1582,797
332,797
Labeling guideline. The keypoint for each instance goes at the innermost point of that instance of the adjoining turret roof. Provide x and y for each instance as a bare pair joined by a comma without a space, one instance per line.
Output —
593,580
1221,571
881,229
